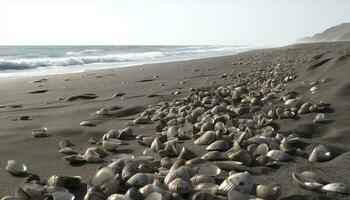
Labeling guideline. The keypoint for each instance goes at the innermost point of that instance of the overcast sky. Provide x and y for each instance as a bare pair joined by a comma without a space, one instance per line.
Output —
176,22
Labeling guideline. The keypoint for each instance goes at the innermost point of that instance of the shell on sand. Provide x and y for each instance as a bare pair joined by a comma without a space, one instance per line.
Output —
319,118
87,123
278,155
197,179
242,182
214,156
337,187
64,181
16,168
95,193
109,145
206,187
320,154
40,133
305,182
228,165
242,156
268,192
140,180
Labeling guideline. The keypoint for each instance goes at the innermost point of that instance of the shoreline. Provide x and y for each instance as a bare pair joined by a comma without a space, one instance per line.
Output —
58,104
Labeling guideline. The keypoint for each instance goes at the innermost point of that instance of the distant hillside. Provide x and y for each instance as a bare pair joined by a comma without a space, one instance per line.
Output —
333,34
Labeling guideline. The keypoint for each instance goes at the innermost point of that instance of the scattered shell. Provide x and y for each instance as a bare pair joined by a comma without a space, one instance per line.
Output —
320,154
197,179
16,168
219,145
268,192
180,186
278,155
337,187
207,138
207,187
242,182
305,182
40,133
64,181
140,180
87,123
63,196
320,118
95,193
209,170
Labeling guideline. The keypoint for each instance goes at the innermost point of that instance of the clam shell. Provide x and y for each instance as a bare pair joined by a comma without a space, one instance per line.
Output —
32,190
68,151
207,138
209,170
278,155
180,186
129,170
118,197
268,192
214,156
63,196
186,154
195,162
134,193
140,180
337,187
243,156
305,182
156,145
206,196
65,143
102,176
320,154
319,118
40,133
141,120
73,159
64,181
219,145
154,196
207,187
16,168
103,111
242,182
9,198
166,162
109,145
261,149
228,165
95,193
197,179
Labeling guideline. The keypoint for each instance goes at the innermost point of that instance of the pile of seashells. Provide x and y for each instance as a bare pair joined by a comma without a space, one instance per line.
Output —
233,122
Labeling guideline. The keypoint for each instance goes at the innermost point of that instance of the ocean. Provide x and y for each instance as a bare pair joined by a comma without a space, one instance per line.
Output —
40,60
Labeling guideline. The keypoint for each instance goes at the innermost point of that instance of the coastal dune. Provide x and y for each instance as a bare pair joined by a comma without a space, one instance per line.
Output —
61,102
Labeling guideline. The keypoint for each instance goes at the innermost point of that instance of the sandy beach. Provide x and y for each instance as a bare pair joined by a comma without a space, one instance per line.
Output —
61,102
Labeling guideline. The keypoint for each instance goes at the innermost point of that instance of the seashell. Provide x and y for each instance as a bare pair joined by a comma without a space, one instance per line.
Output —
64,143
149,188
209,170
156,145
124,133
197,179
129,170
207,187
313,176
183,172
140,180
177,164
261,149
185,132
154,196
268,192
64,181
306,182
9,198
141,120
118,197
195,162
109,145
112,185
133,193
278,155
242,182
243,156
320,154
95,193
63,196
103,111
320,118
206,196
74,159
102,176
40,133
207,138
186,154
30,191
91,156
146,141
337,187
172,132
228,165
313,89
16,168
87,123
68,151
214,156
236,195
166,162
180,186
53,189
219,145
110,134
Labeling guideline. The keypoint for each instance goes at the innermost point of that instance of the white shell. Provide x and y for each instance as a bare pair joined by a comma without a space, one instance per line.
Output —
320,154
16,168
242,182
209,170
319,118
206,187
63,196
87,123
278,155
337,187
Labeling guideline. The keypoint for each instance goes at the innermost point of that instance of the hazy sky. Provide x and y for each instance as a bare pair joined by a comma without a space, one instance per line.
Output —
231,22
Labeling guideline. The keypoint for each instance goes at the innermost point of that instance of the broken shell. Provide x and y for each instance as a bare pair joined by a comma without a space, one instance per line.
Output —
40,133
305,182
16,168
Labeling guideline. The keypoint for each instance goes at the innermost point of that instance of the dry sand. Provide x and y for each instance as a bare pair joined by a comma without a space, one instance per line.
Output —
310,62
